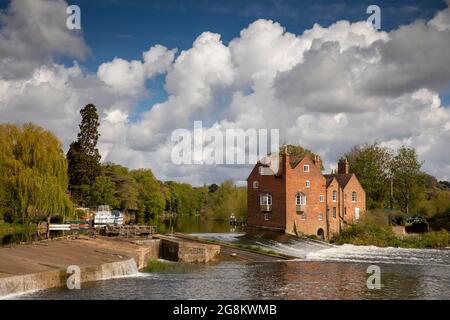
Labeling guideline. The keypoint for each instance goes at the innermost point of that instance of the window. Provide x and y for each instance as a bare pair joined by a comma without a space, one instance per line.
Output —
255,184
334,212
306,168
320,216
322,198
300,199
354,196
303,216
265,199
334,196
308,184
266,216
345,211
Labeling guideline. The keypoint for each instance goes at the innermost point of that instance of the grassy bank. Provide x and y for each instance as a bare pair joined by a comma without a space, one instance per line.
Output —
369,232
7,228
245,247
158,266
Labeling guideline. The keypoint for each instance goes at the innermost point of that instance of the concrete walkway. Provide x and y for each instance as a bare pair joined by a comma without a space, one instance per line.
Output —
58,254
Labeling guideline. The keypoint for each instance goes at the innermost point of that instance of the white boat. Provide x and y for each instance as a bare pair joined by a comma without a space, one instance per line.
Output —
118,217
104,217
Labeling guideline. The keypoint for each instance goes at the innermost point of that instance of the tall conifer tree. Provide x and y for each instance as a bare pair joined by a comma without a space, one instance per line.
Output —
83,156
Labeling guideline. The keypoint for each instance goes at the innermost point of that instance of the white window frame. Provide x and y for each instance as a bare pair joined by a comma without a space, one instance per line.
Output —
265,199
321,198
308,184
334,195
306,168
266,217
354,196
357,213
255,184
320,216
300,199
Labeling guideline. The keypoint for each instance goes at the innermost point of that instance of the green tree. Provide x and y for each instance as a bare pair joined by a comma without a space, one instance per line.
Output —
83,156
408,180
371,164
126,188
151,201
226,200
33,174
184,199
103,192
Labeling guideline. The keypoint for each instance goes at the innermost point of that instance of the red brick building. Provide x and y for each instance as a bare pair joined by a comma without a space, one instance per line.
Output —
299,199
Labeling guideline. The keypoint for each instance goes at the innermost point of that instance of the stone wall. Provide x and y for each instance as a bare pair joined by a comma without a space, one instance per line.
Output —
95,258
149,250
191,252
53,279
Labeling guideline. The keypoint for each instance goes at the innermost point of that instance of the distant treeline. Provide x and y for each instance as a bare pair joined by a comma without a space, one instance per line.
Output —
140,193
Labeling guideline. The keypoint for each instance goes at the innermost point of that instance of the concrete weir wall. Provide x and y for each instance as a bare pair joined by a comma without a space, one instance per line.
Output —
52,279
185,251
28,268
39,267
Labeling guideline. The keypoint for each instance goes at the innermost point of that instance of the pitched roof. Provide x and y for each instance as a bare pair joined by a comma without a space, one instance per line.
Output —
342,179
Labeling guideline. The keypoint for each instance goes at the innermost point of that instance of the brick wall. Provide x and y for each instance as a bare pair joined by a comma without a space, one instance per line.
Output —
349,206
333,206
314,209
275,187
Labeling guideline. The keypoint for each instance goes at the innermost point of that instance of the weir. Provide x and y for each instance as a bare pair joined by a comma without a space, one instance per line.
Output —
10,286
32,267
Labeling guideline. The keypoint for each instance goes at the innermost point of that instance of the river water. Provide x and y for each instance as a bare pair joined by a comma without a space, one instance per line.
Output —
319,271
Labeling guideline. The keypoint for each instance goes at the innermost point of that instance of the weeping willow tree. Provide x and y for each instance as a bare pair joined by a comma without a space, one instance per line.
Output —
33,174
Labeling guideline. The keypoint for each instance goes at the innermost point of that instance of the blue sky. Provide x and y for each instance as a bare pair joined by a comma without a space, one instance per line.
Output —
126,28
115,28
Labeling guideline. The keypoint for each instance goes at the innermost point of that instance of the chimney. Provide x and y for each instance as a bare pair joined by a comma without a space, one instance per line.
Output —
284,162
343,166
318,162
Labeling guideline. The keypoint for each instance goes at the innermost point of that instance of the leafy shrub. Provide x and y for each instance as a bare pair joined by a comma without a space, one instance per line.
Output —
370,232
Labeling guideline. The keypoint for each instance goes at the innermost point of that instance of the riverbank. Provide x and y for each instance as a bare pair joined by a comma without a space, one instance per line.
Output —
43,265
7,228
371,234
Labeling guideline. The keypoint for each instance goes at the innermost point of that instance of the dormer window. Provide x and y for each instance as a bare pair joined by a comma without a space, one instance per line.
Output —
255,184
308,184
306,168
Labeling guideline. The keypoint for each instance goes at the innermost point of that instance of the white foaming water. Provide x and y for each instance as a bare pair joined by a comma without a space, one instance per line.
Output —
311,250
373,254
226,237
